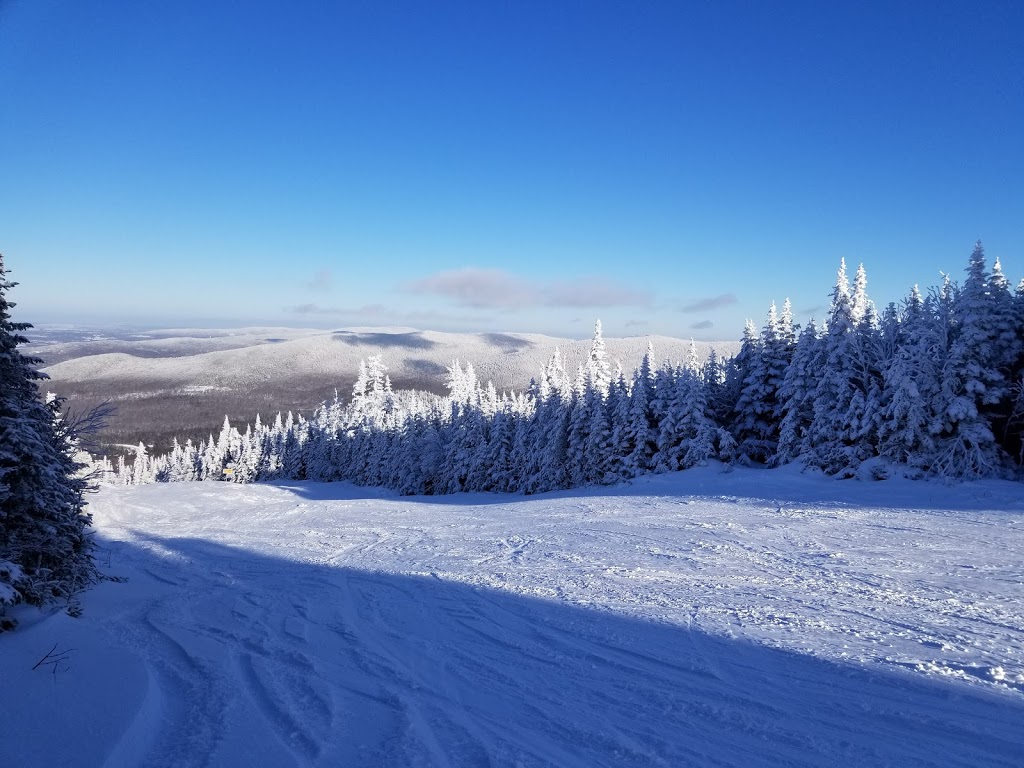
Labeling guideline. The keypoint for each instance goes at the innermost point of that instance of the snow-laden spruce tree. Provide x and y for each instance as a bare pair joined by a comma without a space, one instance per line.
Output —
578,426
1014,435
45,546
618,414
641,432
598,368
596,464
1008,342
759,408
668,407
828,436
142,468
696,424
910,388
713,374
863,414
976,382
736,372
796,395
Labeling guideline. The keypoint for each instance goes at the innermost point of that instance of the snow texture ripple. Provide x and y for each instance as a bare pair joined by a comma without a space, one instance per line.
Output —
740,619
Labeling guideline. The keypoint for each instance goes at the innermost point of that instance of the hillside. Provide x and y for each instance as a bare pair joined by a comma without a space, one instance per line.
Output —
183,382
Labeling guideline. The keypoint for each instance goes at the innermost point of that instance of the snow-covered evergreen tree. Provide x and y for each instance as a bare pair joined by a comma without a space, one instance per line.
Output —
975,382
911,387
598,368
863,414
142,467
45,547
698,427
736,371
640,434
828,438
668,408
597,442
619,447
758,412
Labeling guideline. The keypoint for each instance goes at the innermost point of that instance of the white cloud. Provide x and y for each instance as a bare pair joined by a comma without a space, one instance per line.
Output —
712,302
479,288
498,289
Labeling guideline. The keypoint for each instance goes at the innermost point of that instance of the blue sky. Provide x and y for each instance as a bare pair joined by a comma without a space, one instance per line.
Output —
668,167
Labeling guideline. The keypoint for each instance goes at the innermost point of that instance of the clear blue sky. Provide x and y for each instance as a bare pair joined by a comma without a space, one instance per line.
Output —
668,167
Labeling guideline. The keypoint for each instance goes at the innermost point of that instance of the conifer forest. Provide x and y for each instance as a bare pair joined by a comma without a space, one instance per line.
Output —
932,386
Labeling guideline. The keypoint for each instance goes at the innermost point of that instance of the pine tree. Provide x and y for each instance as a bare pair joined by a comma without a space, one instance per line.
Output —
1008,350
1007,339
45,546
498,462
1014,437
598,368
759,409
669,408
859,302
699,429
552,429
828,434
736,371
121,471
597,444
976,384
713,374
643,428
578,428
863,415
142,469
618,419
910,386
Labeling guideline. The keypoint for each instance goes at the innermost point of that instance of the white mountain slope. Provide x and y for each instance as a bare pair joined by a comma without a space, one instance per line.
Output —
741,619
249,356
182,385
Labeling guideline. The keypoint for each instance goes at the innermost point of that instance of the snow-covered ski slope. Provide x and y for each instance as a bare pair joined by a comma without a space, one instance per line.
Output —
703,618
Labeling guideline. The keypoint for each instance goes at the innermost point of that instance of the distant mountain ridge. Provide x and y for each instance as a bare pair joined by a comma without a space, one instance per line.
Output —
183,382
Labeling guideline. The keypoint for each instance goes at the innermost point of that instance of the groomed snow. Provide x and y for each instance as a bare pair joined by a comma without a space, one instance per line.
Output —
702,618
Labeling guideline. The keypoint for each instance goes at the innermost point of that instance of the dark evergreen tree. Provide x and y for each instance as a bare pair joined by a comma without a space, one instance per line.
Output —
1014,438
759,408
829,436
45,545
976,383
640,436
910,385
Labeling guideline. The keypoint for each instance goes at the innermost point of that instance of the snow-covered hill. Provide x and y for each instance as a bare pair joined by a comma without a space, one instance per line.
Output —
703,618
184,382
248,356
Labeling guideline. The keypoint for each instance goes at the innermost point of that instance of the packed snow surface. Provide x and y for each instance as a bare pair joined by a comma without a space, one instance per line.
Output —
705,618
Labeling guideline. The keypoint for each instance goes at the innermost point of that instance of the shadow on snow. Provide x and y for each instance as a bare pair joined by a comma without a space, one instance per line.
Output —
781,487
408,340
353,667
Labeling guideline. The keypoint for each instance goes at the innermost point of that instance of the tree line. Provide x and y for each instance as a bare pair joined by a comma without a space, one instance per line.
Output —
933,386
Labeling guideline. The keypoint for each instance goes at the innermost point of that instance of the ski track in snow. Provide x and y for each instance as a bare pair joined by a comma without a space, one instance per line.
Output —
662,624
